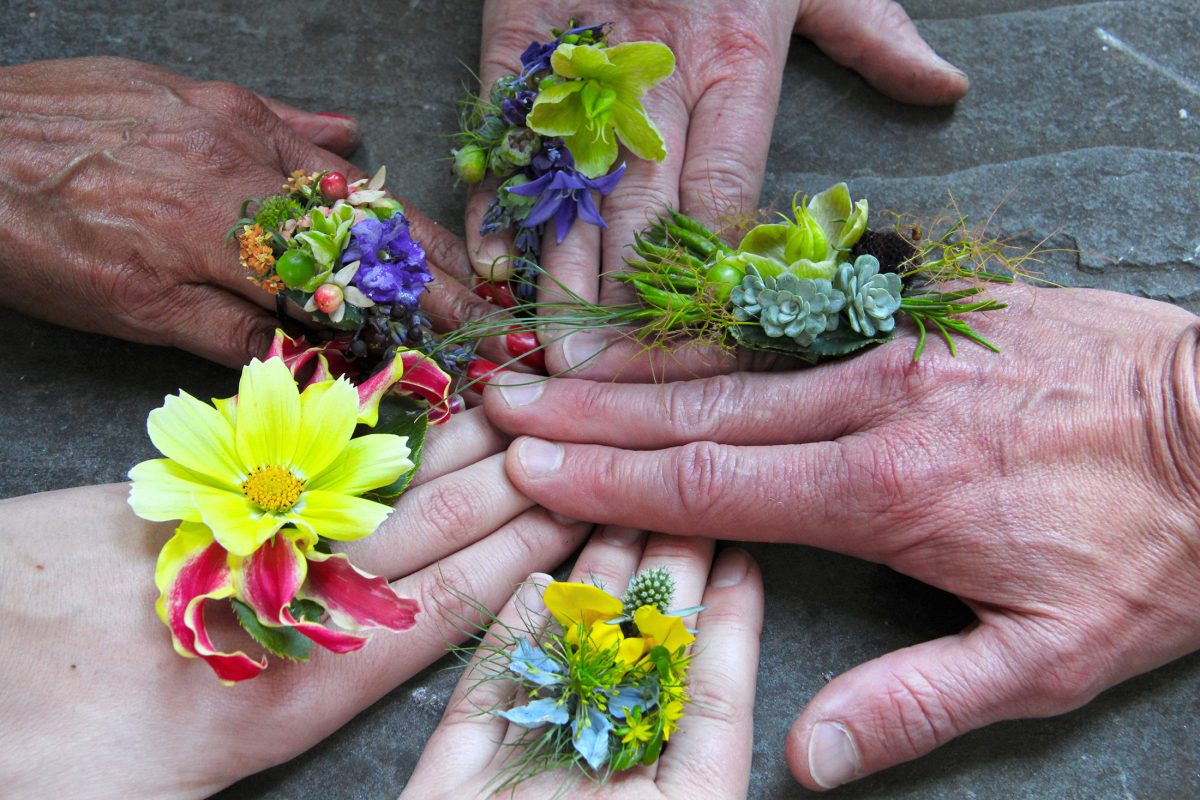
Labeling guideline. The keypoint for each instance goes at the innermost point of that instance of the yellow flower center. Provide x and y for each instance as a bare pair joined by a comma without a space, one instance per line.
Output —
272,488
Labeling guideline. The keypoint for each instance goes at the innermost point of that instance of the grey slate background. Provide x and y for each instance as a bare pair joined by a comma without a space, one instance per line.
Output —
1084,115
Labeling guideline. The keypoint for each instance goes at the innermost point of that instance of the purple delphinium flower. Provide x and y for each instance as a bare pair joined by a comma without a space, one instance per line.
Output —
537,56
564,193
516,108
392,266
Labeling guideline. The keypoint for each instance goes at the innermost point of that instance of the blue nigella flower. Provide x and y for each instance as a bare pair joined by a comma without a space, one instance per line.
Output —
392,267
564,193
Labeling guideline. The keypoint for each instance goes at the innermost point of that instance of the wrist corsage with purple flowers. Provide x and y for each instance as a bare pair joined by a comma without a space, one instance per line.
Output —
550,136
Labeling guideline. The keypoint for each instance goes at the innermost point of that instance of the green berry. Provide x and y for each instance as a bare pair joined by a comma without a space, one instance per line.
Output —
723,276
470,163
295,268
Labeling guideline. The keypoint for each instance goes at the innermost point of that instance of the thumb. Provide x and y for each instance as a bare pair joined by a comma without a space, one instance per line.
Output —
337,133
877,39
907,703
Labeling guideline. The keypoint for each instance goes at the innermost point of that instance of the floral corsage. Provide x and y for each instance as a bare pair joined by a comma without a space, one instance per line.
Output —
267,483
549,135
818,283
603,688
344,253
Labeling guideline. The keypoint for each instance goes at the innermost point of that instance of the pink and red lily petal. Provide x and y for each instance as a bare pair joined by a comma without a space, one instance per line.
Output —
354,599
193,569
425,379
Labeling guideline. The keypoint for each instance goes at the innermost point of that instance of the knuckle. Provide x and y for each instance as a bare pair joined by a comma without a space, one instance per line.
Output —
918,708
446,592
232,100
742,44
697,407
701,471
442,250
450,510
712,698
132,287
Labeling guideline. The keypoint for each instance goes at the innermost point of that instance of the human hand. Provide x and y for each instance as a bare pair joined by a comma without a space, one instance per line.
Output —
119,181
1053,487
715,114
709,756
96,703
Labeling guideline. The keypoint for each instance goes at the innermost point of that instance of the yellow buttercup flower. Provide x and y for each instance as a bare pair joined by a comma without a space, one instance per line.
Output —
270,457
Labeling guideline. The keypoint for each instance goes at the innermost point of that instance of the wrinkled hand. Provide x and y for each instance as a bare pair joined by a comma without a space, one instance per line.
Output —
709,756
1053,487
715,114
94,695
118,183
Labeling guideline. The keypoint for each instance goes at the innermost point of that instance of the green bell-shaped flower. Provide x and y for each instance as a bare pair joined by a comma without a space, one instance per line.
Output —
600,102
812,244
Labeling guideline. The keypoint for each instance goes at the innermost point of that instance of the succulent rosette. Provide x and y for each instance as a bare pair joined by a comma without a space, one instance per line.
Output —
605,686
550,136
266,482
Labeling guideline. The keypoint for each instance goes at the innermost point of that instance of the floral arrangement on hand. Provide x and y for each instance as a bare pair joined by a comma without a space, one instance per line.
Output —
605,686
265,483
549,134
817,284
344,253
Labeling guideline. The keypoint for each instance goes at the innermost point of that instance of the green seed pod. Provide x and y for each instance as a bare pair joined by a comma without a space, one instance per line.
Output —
650,587
470,163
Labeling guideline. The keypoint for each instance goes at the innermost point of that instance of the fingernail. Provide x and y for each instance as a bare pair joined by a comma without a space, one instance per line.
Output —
517,390
621,536
563,519
491,260
337,116
730,569
832,757
539,458
581,348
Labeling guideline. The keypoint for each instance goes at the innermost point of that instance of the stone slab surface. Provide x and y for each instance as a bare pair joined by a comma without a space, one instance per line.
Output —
1083,125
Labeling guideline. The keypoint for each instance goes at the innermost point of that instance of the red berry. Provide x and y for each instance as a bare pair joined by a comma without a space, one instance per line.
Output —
496,292
328,298
479,371
524,346
333,186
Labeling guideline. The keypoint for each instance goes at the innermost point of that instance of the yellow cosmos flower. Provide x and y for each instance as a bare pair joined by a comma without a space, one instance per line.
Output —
272,456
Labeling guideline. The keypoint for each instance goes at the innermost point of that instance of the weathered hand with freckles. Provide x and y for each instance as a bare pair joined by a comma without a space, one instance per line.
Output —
715,114
118,183
1054,487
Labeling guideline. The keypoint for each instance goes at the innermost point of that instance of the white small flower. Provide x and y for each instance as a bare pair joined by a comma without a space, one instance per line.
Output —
365,192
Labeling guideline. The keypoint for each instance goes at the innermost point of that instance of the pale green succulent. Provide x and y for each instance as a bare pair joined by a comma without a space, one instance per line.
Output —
813,244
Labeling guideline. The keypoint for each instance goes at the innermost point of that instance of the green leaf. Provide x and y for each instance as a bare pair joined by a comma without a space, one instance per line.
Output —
285,642
401,416
626,758
655,745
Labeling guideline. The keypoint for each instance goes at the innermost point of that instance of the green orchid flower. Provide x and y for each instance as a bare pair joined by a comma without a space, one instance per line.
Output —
812,245
600,102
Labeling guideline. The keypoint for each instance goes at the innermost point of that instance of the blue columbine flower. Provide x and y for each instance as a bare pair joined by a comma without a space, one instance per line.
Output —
392,266
564,193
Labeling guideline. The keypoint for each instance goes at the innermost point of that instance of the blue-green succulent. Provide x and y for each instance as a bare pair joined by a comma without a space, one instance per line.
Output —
800,309
872,298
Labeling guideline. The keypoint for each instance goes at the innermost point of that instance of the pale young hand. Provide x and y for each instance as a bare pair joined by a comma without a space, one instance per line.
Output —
715,114
95,702
709,756
1053,487
119,181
